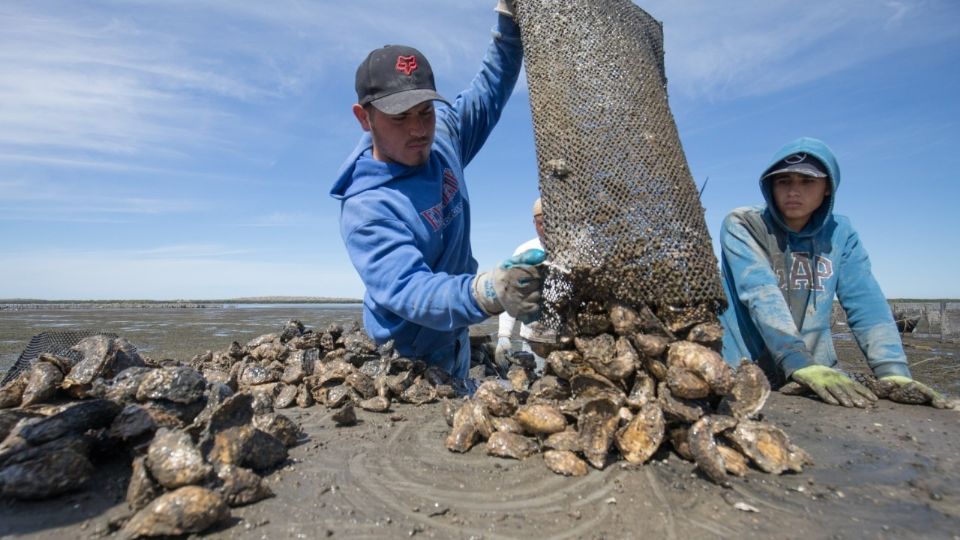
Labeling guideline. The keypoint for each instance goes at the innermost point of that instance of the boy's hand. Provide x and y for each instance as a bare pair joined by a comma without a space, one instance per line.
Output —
910,387
834,387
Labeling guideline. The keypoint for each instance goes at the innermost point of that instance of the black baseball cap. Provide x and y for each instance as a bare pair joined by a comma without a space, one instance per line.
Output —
801,163
395,78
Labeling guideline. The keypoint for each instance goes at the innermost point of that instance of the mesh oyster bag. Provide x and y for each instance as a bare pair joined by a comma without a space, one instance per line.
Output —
56,342
623,219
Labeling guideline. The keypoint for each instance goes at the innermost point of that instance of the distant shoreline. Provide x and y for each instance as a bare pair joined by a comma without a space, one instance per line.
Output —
20,304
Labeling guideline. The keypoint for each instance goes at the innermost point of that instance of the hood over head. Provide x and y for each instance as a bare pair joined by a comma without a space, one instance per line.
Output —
800,151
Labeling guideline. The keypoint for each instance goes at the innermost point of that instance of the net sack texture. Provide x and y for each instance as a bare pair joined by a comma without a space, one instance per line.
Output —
622,215
57,343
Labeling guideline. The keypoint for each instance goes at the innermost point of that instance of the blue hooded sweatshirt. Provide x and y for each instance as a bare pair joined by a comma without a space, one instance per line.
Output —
407,229
780,285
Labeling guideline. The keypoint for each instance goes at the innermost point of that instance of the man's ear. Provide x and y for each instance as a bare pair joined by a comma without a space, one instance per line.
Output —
362,117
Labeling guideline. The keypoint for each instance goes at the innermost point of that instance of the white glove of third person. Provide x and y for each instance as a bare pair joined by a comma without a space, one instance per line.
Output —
513,286
500,353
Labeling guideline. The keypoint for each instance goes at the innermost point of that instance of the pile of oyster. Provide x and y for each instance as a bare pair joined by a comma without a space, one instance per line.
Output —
339,368
196,446
624,384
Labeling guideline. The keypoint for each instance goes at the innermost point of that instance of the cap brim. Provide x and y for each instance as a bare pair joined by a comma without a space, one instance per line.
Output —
800,168
404,101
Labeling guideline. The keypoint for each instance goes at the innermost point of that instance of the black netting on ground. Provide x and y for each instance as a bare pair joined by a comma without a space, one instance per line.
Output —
622,214
56,342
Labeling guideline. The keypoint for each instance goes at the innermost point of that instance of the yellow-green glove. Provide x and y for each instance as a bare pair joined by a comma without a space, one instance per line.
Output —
913,392
834,387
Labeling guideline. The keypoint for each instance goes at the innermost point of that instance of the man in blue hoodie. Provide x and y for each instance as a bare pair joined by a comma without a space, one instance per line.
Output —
782,264
405,211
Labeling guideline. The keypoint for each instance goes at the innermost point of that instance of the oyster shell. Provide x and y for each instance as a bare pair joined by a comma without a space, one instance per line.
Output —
675,408
142,487
283,428
749,393
511,445
565,462
640,438
177,384
346,416
498,400
704,449
704,363
567,439
768,447
464,433
190,509
597,426
540,419
45,473
612,358
174,461
241,486
43,380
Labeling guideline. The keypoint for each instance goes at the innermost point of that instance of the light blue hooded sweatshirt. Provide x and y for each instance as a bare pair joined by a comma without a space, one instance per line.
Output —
407,229
780,285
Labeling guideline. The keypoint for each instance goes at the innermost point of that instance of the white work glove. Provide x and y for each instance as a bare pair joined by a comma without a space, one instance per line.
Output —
500,354
505,7
513,286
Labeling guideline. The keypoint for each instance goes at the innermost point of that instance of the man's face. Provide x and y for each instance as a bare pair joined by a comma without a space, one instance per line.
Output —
403,138
797,197
538,224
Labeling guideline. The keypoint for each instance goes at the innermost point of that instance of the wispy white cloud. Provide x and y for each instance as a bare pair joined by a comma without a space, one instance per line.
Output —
167,273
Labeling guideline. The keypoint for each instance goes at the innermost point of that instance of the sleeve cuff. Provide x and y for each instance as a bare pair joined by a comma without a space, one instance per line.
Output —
895,368
793,361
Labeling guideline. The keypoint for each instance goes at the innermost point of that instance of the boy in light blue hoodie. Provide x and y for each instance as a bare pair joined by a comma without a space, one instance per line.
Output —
782,265
405,212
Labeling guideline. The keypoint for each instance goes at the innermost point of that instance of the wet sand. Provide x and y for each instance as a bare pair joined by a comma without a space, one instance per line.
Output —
892,471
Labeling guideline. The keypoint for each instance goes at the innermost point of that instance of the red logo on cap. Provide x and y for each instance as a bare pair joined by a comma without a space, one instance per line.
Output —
407,64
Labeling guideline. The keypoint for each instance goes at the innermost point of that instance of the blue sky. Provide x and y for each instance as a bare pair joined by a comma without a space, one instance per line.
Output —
185,148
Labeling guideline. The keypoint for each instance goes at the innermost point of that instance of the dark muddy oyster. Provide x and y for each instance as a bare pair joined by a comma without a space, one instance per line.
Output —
511,445
43,380
11,394
346,416
363,384
749,393
240,487
190,509
45,474
686,384
11,417
174,461
74,419
640,438
134,422
565,462
283,428
286,396
703,446
248,447
142,487
597,426
123,388
588,384
102,356
178,384
768,447
650,346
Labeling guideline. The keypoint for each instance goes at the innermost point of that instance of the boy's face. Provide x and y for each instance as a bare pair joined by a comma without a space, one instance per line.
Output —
403,138
798,196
